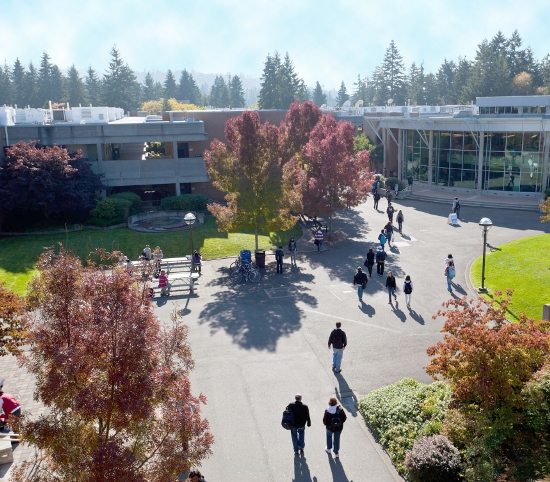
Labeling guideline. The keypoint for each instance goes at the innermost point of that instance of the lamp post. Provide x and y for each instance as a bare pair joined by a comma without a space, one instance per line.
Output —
190,219
485,224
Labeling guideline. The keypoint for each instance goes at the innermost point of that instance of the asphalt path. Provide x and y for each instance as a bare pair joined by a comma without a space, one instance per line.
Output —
255,346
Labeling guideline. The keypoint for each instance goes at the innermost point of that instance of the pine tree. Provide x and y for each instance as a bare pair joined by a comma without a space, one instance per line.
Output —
120,88
288,83
416,87
236,92
6,94
393,79
319,97
93,87
445,78
30,91
219,93
342,95
57,84
188,90
149,88
462,79
45,81
268,90
360,92
76,90
170,87
18,83
490,72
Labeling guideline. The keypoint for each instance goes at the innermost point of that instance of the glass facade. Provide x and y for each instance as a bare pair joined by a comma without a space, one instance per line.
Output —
512,161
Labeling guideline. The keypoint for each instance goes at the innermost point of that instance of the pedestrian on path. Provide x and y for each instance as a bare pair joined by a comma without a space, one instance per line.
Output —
279,255
164,285
390,212
197,261
9,407
391,286
382,238
450,272
360,279
376,197
369,262
408,289
292,248
195,476
333,420
389,196
396,189
380,259
456,207
319,238
338,341
388,231
301,418
400,218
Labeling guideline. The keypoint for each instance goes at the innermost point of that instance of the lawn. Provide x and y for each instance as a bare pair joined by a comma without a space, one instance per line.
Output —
18,254
522,265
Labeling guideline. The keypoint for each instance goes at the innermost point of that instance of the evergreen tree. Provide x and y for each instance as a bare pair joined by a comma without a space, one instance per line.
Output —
30,91
6,94
120,88
360,92
280,85
490,72
319,97
416,87
57,84
446,88
45,81
149,88
76,90
18,83
462,79
93,87
268,90
288,83
545,74
342,95
219,93
430,91
393,77
302,92
236,92
170,87
188,90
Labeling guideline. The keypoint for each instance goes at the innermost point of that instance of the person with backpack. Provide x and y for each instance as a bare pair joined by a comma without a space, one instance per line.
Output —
338,341
369,262
380,259
450,272
292,248
300,417
333,420
382,238
279,255
376,197
390,212
408,289
391,286
400,218
318,239
361,280
388,231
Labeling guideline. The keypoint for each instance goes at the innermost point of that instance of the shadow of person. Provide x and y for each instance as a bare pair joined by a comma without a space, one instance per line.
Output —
459,289
394,249
301,471
416,316
367,309
345,395
338,472
405,236
398,312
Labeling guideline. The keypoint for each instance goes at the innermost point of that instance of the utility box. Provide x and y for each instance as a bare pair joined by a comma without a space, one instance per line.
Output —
546,312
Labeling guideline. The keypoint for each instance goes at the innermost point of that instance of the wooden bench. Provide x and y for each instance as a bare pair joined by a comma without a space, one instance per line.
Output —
186,278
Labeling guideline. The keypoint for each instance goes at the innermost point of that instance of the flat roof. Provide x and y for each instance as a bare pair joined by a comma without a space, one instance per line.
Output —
514,101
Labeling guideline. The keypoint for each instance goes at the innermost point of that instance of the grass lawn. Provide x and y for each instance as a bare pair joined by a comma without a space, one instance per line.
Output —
522,265
18,254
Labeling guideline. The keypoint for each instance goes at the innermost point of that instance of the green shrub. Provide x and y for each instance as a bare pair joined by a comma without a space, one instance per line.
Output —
135,200
390,183
185,202
110,211
401,412
433,459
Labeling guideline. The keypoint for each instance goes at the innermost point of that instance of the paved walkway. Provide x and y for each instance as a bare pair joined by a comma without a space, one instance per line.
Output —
255,346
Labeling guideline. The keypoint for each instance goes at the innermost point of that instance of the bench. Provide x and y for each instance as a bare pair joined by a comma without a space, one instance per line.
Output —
6,452
186,278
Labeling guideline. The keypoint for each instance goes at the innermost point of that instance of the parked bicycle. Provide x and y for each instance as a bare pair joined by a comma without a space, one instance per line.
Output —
245,272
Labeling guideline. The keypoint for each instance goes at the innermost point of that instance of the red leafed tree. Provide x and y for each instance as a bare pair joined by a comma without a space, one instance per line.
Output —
336,177
114,381
12,312
297,125
487,359
262,193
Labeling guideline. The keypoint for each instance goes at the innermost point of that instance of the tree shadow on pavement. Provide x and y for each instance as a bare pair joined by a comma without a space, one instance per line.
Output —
256,315
338,472
301,471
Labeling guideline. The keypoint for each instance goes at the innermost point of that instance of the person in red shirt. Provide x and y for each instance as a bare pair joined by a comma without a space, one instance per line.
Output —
9,405
163,284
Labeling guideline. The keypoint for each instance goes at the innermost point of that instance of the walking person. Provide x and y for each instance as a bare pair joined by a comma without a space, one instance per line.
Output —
400,218
333,420
319,238
382,238
146,253
391,286
292,248
455,208
388,231
390,212
196,261
360,279
279,255
389,196
450,272
376,197
369,262
338,341
164,285
380,259
396,189
301,418
408,289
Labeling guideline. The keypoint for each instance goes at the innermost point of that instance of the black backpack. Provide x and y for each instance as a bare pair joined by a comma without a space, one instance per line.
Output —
336,423
288,418
408,288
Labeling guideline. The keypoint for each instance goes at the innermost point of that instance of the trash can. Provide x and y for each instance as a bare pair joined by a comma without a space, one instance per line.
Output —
260,258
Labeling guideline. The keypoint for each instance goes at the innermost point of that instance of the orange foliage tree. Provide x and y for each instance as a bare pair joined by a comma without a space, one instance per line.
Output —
12,312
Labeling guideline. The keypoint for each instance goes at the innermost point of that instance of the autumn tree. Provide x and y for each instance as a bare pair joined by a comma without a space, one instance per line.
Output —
12,312
249,168
296,127
114,381
545,209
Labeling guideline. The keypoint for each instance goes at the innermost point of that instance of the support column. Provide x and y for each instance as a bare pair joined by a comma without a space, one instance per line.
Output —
480,161
99,148
385,158
175,149
545,161
430,157
178,189
400,154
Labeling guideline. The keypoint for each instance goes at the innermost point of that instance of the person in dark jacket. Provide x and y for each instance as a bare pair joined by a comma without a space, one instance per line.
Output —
391,285
361,280
380,259
388,231
279,255
333,420
369,262
376,197
400,218
301,418
338,341
390,212
292,248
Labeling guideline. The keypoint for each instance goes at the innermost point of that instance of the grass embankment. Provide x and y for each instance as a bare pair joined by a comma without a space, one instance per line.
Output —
18,254
522,265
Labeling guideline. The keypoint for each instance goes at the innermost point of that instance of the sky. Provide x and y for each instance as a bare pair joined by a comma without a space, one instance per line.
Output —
329,41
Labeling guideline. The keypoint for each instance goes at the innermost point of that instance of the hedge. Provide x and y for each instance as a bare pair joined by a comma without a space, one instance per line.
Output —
185,202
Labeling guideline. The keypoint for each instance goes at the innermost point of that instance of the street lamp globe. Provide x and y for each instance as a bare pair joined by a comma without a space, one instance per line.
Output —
189,219
485,223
